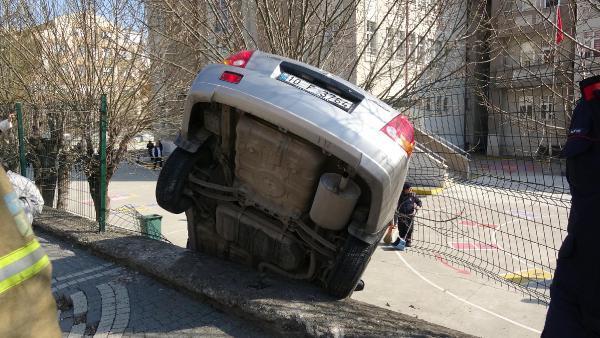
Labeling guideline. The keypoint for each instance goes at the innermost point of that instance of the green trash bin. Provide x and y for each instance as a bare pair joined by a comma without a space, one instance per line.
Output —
151,226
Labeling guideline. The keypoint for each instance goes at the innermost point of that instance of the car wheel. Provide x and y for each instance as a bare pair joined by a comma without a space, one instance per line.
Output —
349,266
173,178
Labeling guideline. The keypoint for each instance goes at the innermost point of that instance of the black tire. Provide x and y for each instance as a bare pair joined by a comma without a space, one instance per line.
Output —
173,178
349,266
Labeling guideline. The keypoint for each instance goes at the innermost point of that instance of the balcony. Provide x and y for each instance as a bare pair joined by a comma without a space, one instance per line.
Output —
513,74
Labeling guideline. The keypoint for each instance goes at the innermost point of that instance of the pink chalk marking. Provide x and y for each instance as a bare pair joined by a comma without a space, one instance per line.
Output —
473,246
462,245
445,262
477,224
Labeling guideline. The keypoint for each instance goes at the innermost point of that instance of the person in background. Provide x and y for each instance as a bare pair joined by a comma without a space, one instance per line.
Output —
574,309
405,213
150,147
158,154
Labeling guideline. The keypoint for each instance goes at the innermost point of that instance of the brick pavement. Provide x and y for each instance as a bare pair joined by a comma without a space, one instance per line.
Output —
98,298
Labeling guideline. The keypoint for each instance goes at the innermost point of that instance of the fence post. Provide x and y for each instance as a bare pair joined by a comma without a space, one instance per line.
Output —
21,135
102,153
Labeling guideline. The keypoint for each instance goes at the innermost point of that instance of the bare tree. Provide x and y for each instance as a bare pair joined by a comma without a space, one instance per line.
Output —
397,49
72,53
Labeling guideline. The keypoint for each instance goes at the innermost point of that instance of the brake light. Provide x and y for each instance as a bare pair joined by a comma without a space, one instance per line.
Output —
402,132
239,59
231,77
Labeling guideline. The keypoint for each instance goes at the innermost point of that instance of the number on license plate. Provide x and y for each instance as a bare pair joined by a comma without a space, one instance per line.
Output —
319,92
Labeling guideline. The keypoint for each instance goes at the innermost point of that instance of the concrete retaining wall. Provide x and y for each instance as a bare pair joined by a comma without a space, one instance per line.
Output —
289,308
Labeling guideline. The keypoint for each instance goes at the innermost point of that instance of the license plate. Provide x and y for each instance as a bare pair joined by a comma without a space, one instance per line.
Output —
319,92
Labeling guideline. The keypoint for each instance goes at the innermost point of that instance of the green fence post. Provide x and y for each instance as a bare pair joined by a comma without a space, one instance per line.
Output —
21,134
102,151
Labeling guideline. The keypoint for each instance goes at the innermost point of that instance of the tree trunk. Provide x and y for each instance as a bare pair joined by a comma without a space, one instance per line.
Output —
64,181
45,171
94,184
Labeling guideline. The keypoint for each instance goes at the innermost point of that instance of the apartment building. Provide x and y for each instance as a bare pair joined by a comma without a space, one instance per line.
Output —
534,72
70,59
587,60
414,59
398,50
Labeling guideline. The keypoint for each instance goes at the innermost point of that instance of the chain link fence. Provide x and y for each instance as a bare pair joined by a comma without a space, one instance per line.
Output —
65,155
500,200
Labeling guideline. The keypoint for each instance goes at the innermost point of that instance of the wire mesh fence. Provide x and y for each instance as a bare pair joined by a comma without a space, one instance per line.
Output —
503,210
63,156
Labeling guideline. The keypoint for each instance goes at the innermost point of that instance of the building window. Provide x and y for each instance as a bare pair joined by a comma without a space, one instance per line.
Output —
591,45
547,108
420,49
526,106
523,5
438,104
445,103
550,3
400,45
222,20
547,55
371,37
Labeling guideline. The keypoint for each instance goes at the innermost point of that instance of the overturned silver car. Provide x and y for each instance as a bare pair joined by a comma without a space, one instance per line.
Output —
287,168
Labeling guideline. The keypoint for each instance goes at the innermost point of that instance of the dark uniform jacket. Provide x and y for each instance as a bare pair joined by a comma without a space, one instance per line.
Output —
580,252
406,206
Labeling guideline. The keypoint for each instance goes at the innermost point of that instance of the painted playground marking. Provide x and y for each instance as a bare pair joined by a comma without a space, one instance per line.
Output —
524,277
528,215
443,260
477,224
473,246
451,294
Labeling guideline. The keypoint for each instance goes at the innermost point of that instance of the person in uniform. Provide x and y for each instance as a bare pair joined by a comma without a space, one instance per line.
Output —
574,309
27,307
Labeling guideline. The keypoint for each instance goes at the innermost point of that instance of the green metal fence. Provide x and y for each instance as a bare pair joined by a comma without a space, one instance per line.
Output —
63,149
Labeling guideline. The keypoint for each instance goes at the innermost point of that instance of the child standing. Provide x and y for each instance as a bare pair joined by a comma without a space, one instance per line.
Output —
405,213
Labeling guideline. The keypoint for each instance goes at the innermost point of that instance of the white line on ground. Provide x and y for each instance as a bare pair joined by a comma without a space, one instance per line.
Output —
462,299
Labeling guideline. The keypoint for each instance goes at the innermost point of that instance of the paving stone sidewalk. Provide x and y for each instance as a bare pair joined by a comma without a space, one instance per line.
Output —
100,299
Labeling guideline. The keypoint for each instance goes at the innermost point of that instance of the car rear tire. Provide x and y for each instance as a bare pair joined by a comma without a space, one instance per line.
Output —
173,178
349,267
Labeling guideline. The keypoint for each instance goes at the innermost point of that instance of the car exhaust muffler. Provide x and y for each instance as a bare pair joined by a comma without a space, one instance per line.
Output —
334,201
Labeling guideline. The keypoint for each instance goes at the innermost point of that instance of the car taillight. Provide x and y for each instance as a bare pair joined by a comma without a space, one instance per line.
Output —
239,59
231,77
401,131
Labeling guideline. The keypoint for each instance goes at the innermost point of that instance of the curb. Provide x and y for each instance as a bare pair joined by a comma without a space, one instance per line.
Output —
285,307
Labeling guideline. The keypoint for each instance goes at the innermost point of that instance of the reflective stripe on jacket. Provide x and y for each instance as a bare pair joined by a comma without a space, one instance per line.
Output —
21,264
